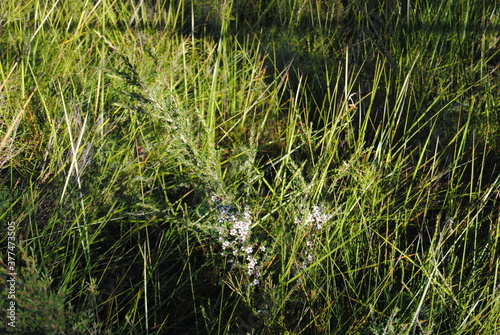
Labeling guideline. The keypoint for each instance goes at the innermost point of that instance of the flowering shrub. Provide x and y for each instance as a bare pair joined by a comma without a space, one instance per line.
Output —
312,224
233,231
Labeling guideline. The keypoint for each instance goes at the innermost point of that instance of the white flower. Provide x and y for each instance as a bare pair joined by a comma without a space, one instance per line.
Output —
315,218
310,219
234,233
252,262
247,214
255,282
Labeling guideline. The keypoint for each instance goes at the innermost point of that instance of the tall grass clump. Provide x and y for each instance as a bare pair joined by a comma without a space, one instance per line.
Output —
281,167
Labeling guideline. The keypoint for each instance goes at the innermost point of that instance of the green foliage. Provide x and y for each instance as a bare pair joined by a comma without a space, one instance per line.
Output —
221,167
5,203
40,309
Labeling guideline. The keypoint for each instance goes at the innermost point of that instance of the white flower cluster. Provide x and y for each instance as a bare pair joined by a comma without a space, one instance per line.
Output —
234,235
312,225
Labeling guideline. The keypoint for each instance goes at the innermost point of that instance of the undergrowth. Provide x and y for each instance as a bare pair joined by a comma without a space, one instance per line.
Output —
250,167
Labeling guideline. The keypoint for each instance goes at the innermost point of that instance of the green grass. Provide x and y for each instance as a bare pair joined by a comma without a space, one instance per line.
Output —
357,141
